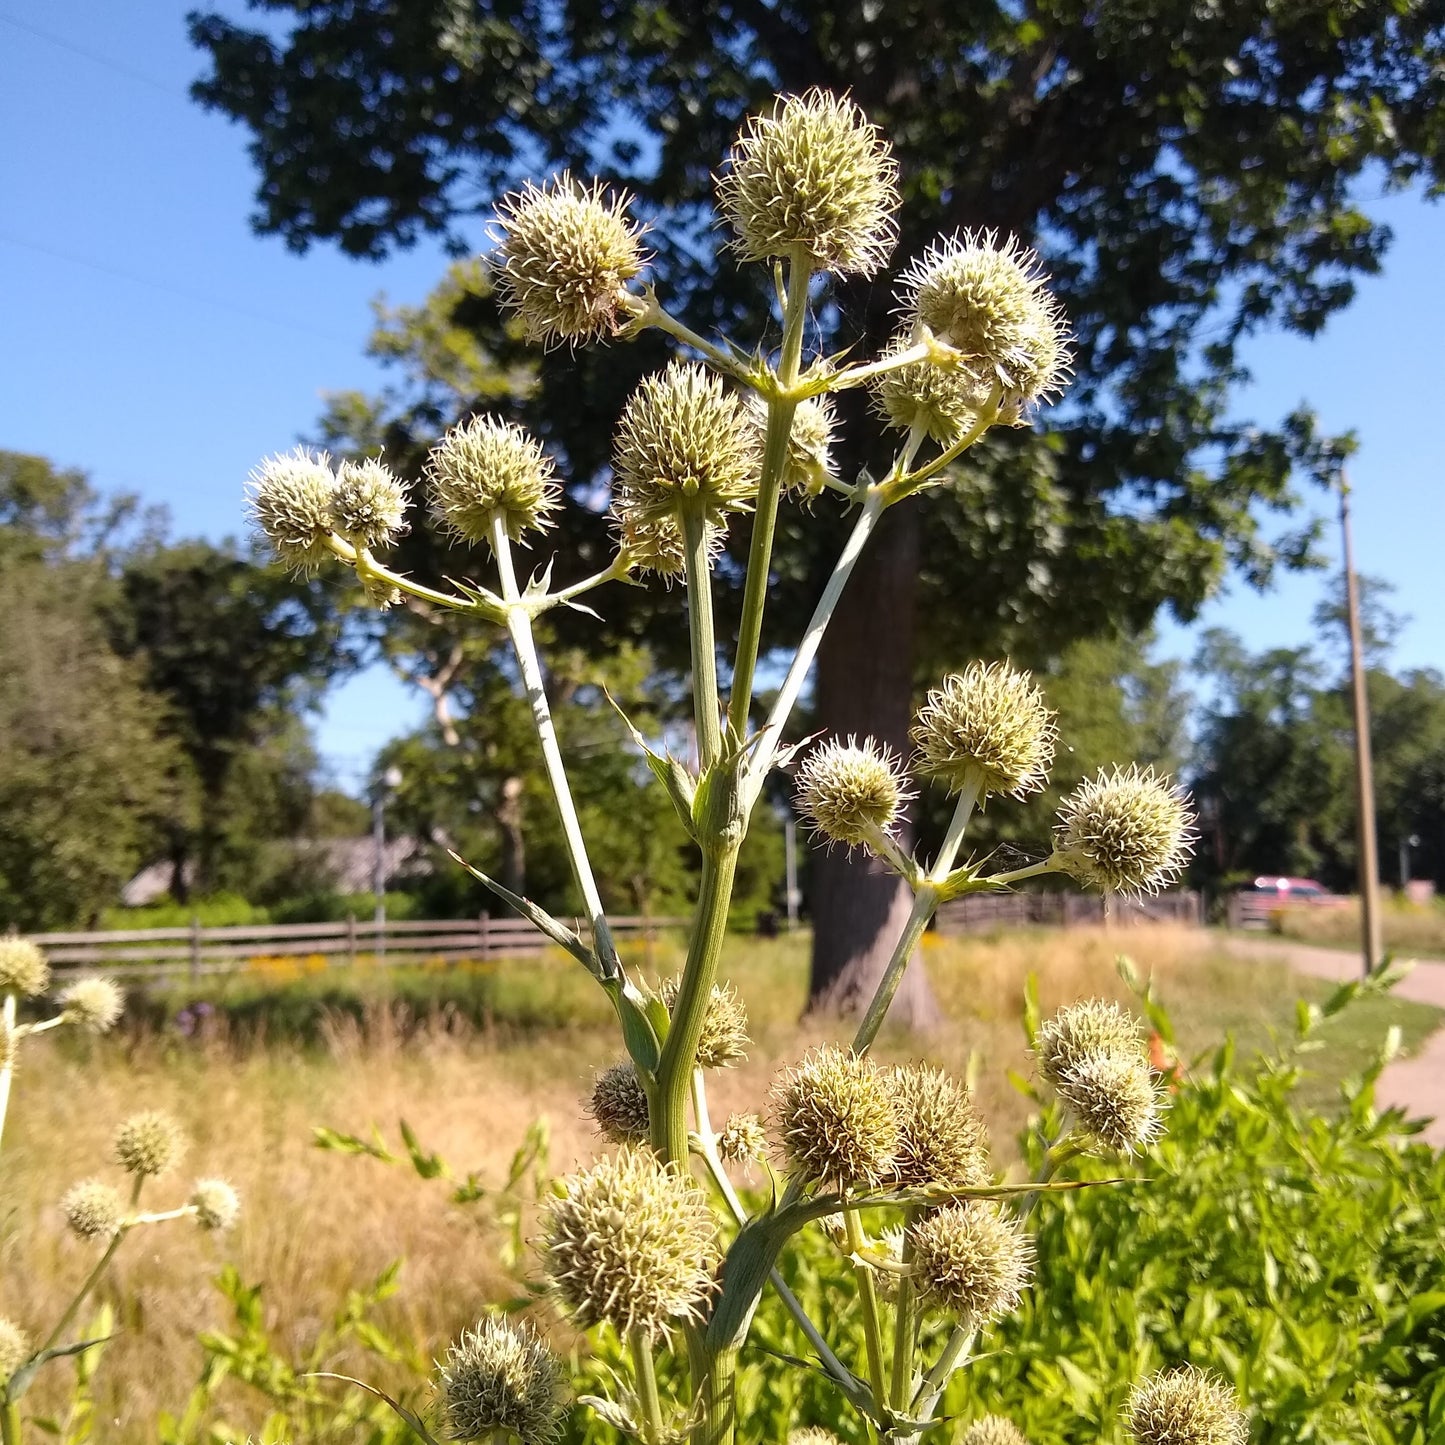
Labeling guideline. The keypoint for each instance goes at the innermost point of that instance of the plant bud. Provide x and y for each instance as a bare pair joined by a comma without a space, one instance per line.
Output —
565,256
813,174
942,401
836,1119
501,1376
1081,1031
289,503
1125,832
971,1260
808,465
1115,1101
15,1349
942,1139
993,1430
93,1209
724,1039
1185,1407
632,1244
216,1203
619,1104
93,1003
987,724
743,1139
851,792
149,1143
23,969
484,469
369,504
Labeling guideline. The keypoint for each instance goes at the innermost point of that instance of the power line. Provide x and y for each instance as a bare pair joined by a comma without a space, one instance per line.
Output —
120,68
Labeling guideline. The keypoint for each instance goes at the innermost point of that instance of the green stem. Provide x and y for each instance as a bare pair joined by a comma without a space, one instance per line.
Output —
925,1401
369,569
905,1325
653,1428
10,1423
717,1396
93,1278
851,376
1051,864
649,311
868,1299
7,1070
905,485
703,638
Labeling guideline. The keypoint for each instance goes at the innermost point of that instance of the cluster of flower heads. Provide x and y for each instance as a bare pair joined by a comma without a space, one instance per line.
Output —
92,1004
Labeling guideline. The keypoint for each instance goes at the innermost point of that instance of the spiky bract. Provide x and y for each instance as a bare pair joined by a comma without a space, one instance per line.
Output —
1115,1100
987,724
851,792
808,463
1129,831
836,1119
1185,1406
289,503
942,1138
993,1430
149,1143
684,441
369,503
565,254
93,1003
724,1039
1080,1030
742,1140
483,469
619,1104
216,1203
501,1376
15,1349
93,1209
943,401
631,1243
23,968
816,175
972,1259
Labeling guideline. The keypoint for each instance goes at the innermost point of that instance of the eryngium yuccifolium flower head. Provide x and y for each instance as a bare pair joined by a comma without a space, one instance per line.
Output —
1084,1030
619,1104
632,1244
971,1259
743,1139
565,255
990,301
724,1040
15,1349
849,792
812,1435
813,174
93,1003
942,1139
483,469
987,723
369,503
836,1119
1125,832
808,466
289,503
993,1430
944,401
23,968
1186,1406
656,545
93,1209
216,1203
149,1143
501,1376
684,441
1115,1100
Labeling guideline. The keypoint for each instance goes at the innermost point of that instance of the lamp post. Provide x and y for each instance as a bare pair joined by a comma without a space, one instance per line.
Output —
382,790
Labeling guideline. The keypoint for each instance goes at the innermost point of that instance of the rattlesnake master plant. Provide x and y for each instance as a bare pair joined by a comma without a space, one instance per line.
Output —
724,436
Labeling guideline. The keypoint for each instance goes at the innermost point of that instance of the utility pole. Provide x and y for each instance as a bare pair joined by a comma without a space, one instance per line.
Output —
790,867
1370,939
384,787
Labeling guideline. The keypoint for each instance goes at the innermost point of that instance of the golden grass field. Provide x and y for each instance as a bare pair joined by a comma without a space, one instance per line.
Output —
319,1223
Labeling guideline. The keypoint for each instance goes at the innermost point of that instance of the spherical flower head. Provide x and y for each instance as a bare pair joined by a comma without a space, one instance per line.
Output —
1186,1406
501,1376
942,1139
93,1209
836,1119
15,1349
216,1203
941,401
1115,1101
990,301
972,1260
486,469
23,969
565,255
724,1039
993,1430
988,726
631,1243
149,1143
808,463
851,792
289,503
816,175
685,442
619,1104
1083,1030
93,1003
655,544
743,1139
369,503
812,1435
1125,832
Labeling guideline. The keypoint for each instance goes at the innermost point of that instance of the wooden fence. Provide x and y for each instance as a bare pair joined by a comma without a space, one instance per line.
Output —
980,912
1257,910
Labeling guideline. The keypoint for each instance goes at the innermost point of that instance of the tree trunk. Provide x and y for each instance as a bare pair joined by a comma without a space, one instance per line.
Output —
514,841
865,686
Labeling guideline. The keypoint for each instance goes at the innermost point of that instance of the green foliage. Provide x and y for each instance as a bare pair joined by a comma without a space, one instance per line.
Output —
220,910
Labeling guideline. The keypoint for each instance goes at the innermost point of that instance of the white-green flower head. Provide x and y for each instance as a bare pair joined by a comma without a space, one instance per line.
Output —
990,301
972,1259
1125,832
619,1104
812,1435
289,503
993,1430
149,1143
23,969
656,545
836,1120
813,174
501,1377
484,469
1115,1100
724,1040
743,1140
941,401
216,1203
632,1244
1186,1406
369,503
942,1138
93,1209
808,466
565,255
851,792
15,1349
1084,1030
93,1003
684,441
986,725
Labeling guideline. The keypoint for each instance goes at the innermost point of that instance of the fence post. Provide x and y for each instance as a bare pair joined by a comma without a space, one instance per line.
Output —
484,927
195,945
351,940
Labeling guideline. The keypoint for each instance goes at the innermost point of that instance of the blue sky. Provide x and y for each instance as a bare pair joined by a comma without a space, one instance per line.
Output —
147,336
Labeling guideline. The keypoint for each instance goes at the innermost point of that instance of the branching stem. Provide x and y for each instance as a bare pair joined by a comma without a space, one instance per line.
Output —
868,1300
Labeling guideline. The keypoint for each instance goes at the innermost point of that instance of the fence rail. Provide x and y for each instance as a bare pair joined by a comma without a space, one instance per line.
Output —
1258,910
980,912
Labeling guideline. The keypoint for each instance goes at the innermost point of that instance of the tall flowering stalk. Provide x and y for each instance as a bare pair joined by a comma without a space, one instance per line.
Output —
633,1244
